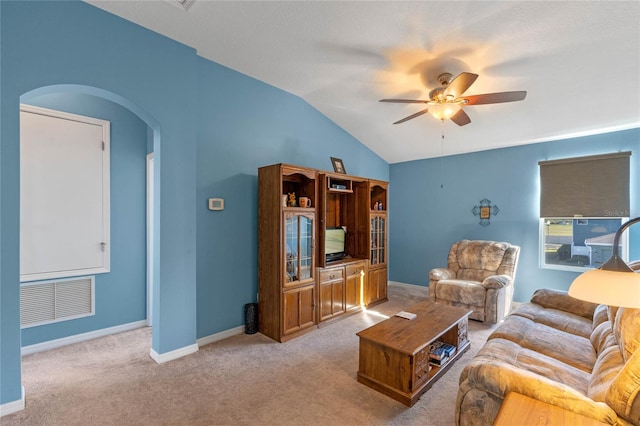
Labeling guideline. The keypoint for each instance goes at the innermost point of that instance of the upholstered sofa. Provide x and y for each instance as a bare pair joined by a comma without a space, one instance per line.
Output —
479,276
572,354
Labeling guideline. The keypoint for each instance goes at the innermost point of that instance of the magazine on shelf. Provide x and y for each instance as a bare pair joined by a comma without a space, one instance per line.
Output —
438,362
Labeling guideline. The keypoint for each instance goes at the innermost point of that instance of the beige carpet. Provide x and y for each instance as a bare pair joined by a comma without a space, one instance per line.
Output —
242,380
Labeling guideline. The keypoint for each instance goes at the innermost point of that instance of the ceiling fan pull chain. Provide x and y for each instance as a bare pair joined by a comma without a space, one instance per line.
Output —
441,157
442,128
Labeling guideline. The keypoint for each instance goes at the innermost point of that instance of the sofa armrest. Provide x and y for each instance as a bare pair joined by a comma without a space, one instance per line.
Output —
438,274
560,300
497,281
499,378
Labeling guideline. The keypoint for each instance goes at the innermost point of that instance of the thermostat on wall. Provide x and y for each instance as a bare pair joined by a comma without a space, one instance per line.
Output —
216,203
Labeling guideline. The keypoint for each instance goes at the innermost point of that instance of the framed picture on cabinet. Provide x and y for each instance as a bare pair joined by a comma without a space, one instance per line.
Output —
338,165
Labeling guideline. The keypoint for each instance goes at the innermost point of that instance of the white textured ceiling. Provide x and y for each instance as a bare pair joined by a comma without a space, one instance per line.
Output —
579,62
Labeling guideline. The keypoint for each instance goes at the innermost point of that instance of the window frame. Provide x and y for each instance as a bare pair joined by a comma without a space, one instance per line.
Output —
624,244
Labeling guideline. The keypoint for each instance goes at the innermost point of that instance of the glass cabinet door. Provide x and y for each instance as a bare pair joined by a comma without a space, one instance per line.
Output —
378,239
298,248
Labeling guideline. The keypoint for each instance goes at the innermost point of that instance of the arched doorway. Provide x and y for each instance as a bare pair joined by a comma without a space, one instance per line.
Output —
93,99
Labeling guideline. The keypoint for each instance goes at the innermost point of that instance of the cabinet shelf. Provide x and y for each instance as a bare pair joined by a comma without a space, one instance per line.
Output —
378,195
339,185
297,209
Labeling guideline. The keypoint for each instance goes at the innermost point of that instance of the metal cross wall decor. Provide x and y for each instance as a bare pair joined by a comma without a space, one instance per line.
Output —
485,210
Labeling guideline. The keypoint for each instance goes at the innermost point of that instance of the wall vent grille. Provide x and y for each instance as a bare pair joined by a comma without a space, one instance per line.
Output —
47,302
183,4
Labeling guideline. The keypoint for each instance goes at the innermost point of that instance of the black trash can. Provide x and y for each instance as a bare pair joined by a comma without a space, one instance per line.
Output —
251,318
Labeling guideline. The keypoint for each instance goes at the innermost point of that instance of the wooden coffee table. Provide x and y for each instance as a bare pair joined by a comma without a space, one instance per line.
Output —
394,354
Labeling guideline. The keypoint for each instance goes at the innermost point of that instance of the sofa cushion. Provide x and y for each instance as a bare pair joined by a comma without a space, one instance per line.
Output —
568,348
530,364
600,315
607,366
602,338
476,260
558,299
626,328
623,395
555,318
488,381
467,292
611,312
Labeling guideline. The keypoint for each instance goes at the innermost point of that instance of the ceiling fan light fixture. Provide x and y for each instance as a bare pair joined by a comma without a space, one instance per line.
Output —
444,110
446,102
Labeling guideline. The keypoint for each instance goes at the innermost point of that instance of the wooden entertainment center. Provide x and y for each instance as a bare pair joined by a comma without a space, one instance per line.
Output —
299,289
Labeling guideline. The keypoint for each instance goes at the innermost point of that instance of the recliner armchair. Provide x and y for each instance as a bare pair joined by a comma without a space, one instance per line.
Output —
479,276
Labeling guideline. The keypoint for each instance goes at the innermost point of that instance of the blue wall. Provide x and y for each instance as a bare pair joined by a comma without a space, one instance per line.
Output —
82,49
432,199
121,293
235,137
208,141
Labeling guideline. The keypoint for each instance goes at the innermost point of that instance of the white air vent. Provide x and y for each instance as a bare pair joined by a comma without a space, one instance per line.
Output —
183,4
46,302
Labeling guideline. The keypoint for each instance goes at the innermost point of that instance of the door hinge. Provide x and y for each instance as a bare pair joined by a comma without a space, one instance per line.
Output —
103,245
103,145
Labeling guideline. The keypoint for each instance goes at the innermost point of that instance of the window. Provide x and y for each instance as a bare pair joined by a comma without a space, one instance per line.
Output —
583,201
574,244
64,194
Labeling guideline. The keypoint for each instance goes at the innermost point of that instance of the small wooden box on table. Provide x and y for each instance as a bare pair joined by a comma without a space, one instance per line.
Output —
394,354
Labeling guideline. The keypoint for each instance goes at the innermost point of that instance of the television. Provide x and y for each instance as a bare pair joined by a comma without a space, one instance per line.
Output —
334,243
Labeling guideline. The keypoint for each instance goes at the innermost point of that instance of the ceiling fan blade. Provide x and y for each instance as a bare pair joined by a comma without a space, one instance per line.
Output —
460,118
495,98
460,84
417,114
404,101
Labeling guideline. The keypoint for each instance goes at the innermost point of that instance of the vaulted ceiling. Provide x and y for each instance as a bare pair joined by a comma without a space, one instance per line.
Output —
578,61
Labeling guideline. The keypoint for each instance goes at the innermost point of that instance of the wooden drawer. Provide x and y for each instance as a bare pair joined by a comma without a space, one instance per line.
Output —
355,269
331,274
422,368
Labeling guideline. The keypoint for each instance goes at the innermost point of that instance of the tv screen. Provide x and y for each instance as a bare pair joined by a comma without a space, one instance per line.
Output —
334,243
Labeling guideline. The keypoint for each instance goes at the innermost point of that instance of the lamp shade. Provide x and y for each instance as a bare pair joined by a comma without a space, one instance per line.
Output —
614,283
608,288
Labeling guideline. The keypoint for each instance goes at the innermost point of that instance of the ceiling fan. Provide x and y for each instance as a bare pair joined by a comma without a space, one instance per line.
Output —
446,102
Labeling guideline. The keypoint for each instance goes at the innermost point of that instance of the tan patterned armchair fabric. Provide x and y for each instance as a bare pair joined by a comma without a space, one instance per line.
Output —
562,351
479,276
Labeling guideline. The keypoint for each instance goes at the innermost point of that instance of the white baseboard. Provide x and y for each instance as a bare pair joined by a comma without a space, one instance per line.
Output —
52,344
413,286
219,336
175,354
159,358
13,407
